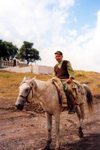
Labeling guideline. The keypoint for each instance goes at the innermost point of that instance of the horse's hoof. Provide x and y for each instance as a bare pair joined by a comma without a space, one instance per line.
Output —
58,147
47,147
81,135
80,132
49,142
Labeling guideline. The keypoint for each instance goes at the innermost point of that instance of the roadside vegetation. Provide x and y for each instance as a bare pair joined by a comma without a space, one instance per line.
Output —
10,81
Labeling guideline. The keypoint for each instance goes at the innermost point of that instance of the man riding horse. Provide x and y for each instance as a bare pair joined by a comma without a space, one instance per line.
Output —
64,70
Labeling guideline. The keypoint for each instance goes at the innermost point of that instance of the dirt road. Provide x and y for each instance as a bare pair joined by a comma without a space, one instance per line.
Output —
26,130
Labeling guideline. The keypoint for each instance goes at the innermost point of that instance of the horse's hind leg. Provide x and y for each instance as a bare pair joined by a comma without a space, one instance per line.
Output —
57,123
49,127
81,120
80,114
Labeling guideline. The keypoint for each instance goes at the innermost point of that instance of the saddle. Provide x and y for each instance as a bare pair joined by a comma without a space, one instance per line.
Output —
62,96
75,91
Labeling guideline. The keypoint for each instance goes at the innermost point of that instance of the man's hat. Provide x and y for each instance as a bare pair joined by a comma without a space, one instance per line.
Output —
59,52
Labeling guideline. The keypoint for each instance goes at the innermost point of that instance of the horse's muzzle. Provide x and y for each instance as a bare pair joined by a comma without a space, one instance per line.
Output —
19,106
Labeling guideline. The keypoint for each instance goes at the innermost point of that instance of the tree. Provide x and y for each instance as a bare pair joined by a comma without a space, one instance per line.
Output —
7,50
1,48
26,52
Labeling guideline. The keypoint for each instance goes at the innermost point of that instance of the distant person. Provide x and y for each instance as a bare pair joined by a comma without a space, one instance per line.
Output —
64,70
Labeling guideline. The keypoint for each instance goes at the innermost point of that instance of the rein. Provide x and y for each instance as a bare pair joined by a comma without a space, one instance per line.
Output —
27,95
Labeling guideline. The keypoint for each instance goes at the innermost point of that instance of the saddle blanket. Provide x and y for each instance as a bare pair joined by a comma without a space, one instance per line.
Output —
75,91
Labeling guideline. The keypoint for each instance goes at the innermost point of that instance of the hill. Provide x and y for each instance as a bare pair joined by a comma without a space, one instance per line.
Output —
10,81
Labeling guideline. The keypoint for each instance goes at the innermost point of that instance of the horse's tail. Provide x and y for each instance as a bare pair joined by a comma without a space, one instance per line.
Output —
89,98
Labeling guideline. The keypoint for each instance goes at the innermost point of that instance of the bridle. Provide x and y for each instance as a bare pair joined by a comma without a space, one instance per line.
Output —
26,97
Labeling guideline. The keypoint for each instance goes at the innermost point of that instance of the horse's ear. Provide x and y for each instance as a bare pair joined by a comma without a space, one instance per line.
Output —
33,83
24,79
34,77
33,80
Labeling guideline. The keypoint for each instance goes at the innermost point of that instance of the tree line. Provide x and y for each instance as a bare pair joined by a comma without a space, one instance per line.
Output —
8,51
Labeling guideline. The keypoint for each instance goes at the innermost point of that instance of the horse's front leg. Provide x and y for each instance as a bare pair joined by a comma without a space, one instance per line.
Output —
49,127
57,125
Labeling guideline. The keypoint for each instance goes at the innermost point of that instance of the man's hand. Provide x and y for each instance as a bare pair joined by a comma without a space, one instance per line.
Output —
69,80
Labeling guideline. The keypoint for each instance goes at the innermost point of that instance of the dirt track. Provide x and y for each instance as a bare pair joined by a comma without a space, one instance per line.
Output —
26,130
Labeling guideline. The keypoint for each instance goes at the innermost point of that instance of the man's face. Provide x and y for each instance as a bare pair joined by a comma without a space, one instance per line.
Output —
58,57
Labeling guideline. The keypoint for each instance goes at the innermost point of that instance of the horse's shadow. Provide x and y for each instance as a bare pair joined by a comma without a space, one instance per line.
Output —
91,142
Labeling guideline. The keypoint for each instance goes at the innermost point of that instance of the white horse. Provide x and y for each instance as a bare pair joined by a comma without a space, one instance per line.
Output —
47,94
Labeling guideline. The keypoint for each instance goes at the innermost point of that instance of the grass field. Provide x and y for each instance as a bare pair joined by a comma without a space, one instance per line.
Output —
10,81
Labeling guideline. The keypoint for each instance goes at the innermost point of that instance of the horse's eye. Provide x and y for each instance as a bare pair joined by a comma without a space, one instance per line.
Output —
26,90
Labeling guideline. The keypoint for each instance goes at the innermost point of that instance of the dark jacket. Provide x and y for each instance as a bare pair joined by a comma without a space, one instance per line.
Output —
62,72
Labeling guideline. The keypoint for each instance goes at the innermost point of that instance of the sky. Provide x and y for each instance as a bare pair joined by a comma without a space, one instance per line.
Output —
71,26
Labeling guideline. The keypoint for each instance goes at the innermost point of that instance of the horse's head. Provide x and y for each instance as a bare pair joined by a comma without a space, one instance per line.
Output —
25,92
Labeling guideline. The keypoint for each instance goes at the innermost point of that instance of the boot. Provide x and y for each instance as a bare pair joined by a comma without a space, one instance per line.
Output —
72,108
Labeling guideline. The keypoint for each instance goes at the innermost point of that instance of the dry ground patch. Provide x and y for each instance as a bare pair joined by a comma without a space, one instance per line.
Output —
27,130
